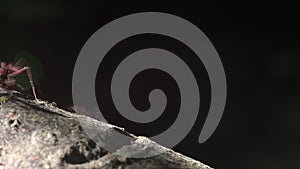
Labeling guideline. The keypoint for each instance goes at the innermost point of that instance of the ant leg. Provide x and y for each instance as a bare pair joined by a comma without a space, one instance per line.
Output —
29,74
17,72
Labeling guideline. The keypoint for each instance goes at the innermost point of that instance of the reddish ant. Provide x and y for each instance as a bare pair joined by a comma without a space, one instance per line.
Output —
7,71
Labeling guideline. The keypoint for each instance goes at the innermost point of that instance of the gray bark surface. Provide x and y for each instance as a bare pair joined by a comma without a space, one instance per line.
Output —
40,135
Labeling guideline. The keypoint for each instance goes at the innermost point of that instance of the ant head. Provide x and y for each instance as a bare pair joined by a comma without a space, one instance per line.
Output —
3,64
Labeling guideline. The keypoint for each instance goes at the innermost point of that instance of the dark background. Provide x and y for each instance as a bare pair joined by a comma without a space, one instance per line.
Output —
258,44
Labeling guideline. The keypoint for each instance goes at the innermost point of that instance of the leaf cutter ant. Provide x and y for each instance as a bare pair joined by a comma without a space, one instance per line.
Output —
8,71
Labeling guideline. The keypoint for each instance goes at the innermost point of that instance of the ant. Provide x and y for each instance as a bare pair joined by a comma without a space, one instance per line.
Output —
7,71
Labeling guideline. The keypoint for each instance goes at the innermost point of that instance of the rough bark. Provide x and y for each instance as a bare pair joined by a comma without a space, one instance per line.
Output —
40,135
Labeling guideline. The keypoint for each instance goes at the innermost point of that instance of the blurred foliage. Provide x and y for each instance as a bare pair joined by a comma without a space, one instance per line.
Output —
23,59
3,99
